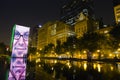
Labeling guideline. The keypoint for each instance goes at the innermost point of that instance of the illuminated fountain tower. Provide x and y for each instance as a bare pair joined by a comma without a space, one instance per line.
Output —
20,37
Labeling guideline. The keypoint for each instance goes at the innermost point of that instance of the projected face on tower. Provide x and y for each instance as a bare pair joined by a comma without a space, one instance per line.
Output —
17,69
20,43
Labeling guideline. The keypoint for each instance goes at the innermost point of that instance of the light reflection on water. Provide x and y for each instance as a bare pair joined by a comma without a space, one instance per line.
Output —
69,70
82,70
84,65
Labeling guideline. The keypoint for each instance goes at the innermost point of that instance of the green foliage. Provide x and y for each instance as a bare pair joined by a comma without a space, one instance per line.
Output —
71,44
2,48
48,48
115,35
58,48
93,41
32,50
115,32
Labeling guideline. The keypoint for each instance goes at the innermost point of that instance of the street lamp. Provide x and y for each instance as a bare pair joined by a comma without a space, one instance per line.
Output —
98,51
84,51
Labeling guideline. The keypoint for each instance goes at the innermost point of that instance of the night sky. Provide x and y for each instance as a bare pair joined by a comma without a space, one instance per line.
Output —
30,13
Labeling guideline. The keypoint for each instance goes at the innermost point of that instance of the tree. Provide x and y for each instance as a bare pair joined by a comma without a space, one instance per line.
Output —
2,48
115,34
32,50
48,48
71,44
94,41
58,48
89,41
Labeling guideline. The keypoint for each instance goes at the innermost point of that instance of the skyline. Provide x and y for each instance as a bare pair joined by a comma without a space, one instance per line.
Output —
32,13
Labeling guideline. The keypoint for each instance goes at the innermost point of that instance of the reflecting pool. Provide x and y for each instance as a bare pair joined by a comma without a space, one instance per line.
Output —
44,69
76,70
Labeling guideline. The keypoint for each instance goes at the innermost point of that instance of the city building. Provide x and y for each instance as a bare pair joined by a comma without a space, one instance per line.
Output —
116,5
77,18
72,8
34,37
105,30
42,36
84,24
53,31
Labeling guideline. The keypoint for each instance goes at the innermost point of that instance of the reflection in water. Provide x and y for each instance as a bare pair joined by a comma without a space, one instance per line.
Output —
85,66
76,70
99,67
68,70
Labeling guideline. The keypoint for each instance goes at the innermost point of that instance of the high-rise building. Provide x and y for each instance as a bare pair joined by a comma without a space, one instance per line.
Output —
71,10
116,5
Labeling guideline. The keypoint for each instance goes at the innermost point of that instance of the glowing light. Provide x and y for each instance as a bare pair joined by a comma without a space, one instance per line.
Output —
52,68
84,51
99,68
39,26
98,50
102,55
39,65
68,64
37,60
110,55
111,68
85,66
118,49
94,66
12,38
55,61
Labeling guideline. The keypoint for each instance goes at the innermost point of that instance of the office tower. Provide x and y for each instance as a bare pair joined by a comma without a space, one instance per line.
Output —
71,10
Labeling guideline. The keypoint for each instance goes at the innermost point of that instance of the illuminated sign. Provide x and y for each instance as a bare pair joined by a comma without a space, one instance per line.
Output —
19,53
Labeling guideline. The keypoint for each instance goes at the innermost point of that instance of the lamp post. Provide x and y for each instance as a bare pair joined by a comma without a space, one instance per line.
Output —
99,53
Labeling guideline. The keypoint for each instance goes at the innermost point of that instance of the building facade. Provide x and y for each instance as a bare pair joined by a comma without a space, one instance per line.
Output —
117,14
42,36
53,31
85,24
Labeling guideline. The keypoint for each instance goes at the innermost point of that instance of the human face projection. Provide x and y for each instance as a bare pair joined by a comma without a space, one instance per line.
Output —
19,53
20,43
17,69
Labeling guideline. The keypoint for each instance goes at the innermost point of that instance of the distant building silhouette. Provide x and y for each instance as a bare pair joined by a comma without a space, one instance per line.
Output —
72,8
34,37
